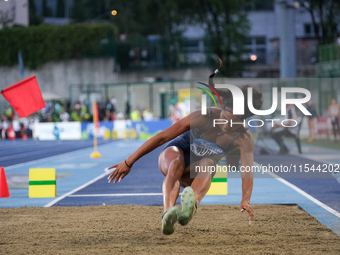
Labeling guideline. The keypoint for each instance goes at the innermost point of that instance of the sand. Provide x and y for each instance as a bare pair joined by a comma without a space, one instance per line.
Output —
124,229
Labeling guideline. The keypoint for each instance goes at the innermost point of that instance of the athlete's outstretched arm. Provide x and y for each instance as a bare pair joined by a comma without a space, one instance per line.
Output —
247,175
183,125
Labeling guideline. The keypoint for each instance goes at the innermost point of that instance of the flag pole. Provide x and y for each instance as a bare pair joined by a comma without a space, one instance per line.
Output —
95,153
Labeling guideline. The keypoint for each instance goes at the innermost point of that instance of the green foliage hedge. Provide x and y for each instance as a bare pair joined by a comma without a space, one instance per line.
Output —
40,44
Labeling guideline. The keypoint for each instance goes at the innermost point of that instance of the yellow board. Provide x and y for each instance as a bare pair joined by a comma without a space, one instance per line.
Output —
114,134
133,134
219,184
42,182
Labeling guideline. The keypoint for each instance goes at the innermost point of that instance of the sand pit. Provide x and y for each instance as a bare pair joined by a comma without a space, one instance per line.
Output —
118,229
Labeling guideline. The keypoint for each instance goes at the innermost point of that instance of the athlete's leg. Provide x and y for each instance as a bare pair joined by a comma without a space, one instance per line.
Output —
202,182
313,128
311,124
337,124
171,163
334,129
193,195
278,137
310,129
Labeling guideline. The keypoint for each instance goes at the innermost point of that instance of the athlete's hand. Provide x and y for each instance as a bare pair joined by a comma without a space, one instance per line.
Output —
244,206
119,173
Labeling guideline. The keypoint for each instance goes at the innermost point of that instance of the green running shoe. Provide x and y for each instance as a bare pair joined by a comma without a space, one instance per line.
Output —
189,207
169,218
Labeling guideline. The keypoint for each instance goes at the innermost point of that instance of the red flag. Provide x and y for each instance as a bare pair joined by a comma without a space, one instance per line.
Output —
25,97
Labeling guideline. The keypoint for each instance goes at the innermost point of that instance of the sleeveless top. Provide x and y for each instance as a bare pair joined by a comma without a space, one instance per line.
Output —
204,148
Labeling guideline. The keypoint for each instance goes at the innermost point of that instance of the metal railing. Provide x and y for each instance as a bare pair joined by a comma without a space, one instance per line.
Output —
329,52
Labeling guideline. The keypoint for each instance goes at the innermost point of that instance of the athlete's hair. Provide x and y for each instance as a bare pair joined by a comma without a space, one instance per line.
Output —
227,98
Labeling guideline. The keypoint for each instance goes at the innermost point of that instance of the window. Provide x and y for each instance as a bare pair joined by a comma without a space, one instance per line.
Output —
256,49
310,30
267,5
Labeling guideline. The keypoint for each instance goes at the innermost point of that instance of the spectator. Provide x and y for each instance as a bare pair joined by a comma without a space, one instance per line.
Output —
9,113
119,115
135,115
23,134
5,125
334,113
28,125
147,115
338,40
114,102
85,116
176,113
55,114
108,116
76,111
110,106
0,127
132,55
311,120
16,126
64,116
144,57
127,109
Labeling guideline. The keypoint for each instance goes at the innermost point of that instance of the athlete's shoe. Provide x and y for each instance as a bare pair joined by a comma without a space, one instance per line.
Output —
189,207
169,218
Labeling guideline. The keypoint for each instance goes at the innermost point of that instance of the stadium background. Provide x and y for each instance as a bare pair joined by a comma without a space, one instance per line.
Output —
139,72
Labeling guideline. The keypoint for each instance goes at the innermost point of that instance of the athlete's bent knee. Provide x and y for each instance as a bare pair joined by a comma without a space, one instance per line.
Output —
170,156
207,162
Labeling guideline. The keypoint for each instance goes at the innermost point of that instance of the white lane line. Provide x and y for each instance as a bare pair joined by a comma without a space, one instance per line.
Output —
76,189
118,195
305,194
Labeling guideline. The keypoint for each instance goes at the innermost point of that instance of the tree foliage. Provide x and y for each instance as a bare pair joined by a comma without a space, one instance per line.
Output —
225,22
40,44
325,15
227,27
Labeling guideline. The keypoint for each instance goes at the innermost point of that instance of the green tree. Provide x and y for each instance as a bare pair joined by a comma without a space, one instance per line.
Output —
34,18
325,15
141,18
78,11
162,17
90,10
226,22
227,27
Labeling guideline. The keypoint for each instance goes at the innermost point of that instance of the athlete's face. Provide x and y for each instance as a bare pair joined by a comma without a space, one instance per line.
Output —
227,116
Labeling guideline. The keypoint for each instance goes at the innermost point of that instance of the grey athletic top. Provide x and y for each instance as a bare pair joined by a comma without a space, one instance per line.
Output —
203,148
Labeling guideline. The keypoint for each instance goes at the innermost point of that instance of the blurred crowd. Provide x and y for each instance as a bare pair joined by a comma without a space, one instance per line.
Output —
13,127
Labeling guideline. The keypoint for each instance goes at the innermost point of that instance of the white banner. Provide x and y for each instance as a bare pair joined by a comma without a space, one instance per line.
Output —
57,131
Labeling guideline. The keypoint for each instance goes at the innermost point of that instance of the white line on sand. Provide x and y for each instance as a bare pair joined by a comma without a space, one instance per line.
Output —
305,194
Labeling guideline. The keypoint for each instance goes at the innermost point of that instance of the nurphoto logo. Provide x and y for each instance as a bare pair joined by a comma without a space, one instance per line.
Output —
238,104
